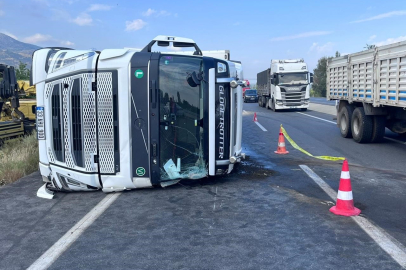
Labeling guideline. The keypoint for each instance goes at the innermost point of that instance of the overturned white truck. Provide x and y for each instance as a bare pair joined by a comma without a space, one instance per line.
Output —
371,88
124,119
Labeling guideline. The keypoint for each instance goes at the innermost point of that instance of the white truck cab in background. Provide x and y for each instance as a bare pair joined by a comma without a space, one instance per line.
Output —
286,85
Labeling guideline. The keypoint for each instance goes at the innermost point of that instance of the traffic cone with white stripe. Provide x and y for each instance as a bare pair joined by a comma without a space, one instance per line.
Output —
281,144
345,202
255,117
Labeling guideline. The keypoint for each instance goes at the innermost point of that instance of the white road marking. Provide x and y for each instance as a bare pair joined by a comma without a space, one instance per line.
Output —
394,140
390,245
260,126
50,256
317,118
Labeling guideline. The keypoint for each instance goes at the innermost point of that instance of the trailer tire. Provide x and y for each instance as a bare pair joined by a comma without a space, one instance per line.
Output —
378,129
361,126
345,116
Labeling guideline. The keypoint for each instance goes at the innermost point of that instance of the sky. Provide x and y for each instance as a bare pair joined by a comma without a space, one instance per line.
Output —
255,32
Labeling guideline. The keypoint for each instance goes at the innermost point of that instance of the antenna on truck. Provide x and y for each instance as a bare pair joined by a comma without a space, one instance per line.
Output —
164,41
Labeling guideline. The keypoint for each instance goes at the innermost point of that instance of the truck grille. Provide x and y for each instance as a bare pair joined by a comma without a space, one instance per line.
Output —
293,97
77,123
73,107
57,128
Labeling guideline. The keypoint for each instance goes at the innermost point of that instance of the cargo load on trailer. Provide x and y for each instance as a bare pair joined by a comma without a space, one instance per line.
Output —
124,119
286,85
371,89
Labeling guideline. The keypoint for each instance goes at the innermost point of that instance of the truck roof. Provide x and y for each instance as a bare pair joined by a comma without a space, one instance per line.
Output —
286,61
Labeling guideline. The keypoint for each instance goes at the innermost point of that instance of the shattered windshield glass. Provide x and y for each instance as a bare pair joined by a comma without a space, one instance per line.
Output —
181,114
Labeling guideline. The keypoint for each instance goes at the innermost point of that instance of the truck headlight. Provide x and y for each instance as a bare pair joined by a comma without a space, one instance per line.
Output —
221,67
306,100
279,102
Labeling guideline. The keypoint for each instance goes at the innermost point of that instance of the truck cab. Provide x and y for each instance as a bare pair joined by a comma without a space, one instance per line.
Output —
286,85
124,119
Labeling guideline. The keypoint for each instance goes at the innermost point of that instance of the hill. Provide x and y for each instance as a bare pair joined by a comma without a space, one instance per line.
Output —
13,51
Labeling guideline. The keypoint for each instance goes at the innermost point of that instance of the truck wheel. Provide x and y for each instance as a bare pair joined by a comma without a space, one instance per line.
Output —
303,109
267,105
361,126
378,129
345,121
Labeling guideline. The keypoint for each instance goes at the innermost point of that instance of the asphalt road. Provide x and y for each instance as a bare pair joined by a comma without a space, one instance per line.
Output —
321,100
268,214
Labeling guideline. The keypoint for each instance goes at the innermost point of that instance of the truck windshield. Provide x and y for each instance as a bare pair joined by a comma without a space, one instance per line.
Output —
181,114
292,78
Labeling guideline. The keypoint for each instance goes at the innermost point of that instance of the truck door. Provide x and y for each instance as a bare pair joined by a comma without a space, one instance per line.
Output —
145,118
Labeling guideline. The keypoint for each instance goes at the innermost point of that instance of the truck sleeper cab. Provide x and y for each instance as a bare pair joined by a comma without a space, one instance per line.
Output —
124,119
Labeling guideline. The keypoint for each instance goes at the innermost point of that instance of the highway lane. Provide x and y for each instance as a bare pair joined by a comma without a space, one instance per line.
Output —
377,170
322,100
268,214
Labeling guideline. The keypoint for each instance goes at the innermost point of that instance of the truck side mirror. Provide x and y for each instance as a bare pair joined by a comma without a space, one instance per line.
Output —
272,81
311,77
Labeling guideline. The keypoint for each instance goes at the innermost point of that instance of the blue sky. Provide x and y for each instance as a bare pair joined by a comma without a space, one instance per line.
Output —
254,31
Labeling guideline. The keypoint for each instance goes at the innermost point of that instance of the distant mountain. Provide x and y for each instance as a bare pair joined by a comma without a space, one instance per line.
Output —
13,51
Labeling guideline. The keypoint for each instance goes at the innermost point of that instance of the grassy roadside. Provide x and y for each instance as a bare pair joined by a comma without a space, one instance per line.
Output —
18,157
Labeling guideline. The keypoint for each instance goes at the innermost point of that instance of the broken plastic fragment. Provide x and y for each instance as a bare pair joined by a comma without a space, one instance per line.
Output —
172,170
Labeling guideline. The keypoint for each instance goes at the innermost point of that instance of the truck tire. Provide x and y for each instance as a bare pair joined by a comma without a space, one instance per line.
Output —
344,124
378,129
361,126
303,109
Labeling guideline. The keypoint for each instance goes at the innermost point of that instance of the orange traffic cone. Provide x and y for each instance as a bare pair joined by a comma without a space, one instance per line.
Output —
281,144
255,117
345,202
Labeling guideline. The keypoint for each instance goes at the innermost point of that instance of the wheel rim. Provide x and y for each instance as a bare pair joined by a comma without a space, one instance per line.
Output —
343,123
356,126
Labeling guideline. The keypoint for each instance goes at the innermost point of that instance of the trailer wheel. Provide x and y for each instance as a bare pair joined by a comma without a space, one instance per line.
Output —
361,126
345,116
259,101
378,129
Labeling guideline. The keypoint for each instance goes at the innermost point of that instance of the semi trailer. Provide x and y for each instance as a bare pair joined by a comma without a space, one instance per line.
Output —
371,89
123,119
286,85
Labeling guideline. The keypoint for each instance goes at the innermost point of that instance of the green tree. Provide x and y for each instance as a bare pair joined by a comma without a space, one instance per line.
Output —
22,72
338,54
320,77
369,46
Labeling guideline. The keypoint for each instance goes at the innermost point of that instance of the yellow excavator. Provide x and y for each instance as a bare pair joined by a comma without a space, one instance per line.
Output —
17,104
